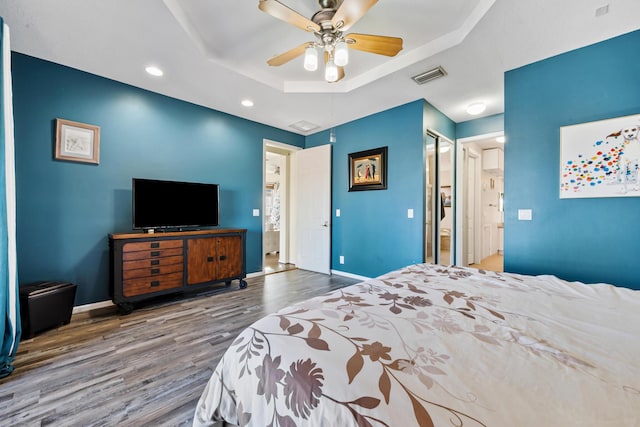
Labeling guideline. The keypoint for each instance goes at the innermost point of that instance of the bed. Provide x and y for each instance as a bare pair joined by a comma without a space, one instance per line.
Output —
429,345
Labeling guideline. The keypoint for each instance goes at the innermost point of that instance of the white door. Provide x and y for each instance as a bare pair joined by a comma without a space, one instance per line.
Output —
470,217
312,177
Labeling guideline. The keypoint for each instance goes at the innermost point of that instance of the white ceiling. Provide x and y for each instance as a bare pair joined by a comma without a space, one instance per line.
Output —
214,52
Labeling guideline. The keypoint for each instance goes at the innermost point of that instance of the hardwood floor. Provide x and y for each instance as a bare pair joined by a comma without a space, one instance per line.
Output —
272,265
493,262
146,368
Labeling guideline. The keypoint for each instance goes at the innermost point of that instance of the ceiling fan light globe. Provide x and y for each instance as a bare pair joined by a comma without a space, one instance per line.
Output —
310,59
341,54
331,71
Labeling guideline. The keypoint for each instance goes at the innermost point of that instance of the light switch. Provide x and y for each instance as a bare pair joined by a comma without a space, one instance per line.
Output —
525,214
337,212
256,212
409,213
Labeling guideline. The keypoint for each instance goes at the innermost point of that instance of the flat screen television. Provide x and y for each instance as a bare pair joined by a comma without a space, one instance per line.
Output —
174,204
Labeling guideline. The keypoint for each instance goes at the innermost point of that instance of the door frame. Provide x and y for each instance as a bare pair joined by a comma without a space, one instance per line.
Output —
460,221
288,234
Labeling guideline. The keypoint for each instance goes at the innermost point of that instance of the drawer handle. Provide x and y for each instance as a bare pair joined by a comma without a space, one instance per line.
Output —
155,245
155,262
223,257
210,259
155,283
155,253
155,270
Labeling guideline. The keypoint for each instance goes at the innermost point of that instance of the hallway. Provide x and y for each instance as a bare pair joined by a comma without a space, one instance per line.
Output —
493,262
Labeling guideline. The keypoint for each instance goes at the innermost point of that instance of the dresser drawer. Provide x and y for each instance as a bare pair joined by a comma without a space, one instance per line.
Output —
152,262
152,271
153,253
147,285
149,246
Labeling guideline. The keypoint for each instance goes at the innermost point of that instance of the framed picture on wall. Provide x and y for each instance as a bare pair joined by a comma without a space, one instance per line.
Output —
77,142
446,196
600,159
368,170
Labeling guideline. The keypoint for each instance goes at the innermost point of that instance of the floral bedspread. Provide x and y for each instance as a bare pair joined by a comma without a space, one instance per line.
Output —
429,345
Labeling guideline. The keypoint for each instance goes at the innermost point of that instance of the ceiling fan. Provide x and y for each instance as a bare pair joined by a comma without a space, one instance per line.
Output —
329,25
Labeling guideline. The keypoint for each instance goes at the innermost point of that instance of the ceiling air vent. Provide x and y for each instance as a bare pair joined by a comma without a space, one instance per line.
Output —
304,126
427,76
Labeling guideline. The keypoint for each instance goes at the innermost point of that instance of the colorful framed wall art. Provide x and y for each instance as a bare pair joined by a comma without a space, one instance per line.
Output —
600,159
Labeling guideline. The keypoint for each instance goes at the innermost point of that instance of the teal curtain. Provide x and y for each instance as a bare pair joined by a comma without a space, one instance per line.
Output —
9,301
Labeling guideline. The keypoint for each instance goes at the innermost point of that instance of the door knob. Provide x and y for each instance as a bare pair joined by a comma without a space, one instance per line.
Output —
325,224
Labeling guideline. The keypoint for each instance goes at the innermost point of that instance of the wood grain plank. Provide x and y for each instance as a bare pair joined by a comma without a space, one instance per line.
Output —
147,368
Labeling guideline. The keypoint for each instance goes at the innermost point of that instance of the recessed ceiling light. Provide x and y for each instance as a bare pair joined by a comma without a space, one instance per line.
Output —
247,103
154,71
476,108
602,10
501,139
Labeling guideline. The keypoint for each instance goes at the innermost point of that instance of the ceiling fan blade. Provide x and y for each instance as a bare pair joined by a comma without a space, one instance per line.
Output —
280,11
340,69
283,58
350,12
381,45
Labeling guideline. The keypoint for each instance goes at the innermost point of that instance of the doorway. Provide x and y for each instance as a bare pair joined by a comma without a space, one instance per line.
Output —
481,202
277,225
296,207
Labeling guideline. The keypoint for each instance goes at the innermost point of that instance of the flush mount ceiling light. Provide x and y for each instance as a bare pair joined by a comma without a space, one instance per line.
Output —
476,108
328,25
154,71
247,103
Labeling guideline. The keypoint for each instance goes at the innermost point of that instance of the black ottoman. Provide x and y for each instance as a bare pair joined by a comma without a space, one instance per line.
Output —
45,305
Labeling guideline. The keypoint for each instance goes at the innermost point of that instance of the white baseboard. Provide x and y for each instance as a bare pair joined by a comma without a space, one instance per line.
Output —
92,306
256,274
349,275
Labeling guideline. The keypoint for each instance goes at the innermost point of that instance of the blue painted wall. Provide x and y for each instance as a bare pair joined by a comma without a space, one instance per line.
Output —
66,210
433,119
373,232
481,126
590,240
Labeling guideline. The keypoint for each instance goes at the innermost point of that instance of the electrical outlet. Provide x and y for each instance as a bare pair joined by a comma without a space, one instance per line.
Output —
256,212
341,259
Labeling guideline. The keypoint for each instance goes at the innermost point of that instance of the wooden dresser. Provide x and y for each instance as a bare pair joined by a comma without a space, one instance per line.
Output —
147,265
